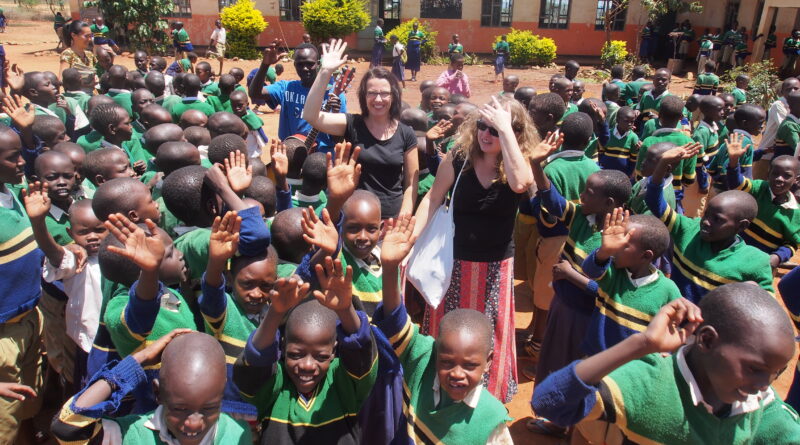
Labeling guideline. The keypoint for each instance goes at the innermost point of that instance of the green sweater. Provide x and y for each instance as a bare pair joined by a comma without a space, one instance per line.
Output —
708,136
90,141
650,104
122,98
787,139
684,171
189,104
194,247
210,89
220,102
367,279
636,203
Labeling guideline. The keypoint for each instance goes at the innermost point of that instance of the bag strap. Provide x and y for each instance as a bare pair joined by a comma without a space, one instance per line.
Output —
455,186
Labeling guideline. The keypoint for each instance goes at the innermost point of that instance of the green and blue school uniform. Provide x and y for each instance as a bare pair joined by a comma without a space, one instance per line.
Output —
189,103
706,84
631,93
787,139
708,136
719,165
684,171
636,203
318,201
571,108
739,95
455,48
367,278
650,104
696,267
620,152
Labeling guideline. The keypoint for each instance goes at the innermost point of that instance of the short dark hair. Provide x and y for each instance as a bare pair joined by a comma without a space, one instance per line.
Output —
97,100
315,171
114,267
742,77
415,118
287,235
47,127
174,155
225,122
197,136
707,102
747,112
651,234
577,129
296,152
204,65
104,115
397,95
457,98
117,195
617,72
157,135
262,189
96,163
615,185
549,103
610,89
71,78
524,95
456,57
191,84
185,194
223,145
311,314
671,107
639,71
470,321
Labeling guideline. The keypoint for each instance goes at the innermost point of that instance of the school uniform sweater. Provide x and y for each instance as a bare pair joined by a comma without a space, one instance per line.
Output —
787,139
567,170
330,413
220,102
571,108
210,88
631,92
718,168
706,84
90,141
650,104
189,103
20,258
696,268
636,202
122,98
739,95
620,153
367,278
776,228
684,171
92,424
429,422
656,400
624,305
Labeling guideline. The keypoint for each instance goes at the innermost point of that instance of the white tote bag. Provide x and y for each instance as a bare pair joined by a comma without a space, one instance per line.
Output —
430,265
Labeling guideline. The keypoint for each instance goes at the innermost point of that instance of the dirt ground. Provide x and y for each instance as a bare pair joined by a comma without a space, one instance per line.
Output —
30,44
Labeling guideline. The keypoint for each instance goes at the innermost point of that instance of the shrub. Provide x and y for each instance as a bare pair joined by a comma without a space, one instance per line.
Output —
328,19
401,31
763,78
140,21
244,23
614,53
526,48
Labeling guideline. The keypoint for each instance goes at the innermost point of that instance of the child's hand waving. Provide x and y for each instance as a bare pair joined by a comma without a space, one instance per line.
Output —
318,232
224,239
280,162
333,55
398,241
336,284
549,145
286,294
239,174
439,130
344,171
146,250
615,233
735,147
37,202
151,355
15,108
672,326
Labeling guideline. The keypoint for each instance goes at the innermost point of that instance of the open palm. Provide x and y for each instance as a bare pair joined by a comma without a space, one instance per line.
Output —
344,171
615,231
287,294
224,239
336,284
333,55
146,250
239,174
37,202
398,241
320,232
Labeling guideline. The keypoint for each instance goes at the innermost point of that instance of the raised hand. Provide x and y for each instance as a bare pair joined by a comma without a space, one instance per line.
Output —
735,148
151,355
336,284
16,81
16,391
674,155
240,175
15,108
286,294
439,130
549,145
62,103
497,116
216,179
139,167
271,55
615,233
224,237
333,55
81,256
672,325
398,240
280,162
598,111
146,250
344,171
320,232
37,202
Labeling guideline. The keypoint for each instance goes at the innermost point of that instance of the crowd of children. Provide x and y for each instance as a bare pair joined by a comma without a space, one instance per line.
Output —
174,274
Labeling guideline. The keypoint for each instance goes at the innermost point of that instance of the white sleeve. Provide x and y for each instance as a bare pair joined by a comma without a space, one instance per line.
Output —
65,270
500,436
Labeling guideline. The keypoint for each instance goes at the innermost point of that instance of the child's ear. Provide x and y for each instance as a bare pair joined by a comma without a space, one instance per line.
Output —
743,224
133,216
211,207
489,362
648,255
706,337
99,179
157,390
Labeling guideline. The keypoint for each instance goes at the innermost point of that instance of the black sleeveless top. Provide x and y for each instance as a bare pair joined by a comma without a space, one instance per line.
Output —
484,217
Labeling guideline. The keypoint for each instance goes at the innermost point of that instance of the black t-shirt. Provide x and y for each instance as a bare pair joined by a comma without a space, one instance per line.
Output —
381,162
484,218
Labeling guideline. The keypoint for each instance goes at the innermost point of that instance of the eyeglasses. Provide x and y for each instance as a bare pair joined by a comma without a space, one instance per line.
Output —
382,94
483,127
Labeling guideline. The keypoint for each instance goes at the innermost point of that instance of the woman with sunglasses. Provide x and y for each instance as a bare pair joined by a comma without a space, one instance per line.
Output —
491,157
389,163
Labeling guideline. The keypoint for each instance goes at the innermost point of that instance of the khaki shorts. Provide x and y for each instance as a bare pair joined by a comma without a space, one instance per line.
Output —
218,52
60,347
547,252
20,362
526,236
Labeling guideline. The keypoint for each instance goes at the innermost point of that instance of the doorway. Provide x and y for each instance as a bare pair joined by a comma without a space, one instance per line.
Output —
389,11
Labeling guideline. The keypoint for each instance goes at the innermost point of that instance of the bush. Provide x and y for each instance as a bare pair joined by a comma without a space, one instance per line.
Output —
763,78
328,19
140,21
401,31
614,53
526,48
244,23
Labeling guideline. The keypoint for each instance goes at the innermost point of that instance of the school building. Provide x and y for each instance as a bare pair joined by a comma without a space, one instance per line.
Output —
577,26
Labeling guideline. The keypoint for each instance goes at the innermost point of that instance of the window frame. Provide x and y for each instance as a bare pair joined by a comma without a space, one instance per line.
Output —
286,10
492,14
546,13
181,9
458,10
620,20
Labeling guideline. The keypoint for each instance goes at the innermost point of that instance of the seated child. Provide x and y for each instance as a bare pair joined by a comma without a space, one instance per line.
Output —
454,79
204,73
524,95
191,381
256,137
787,139
622,148
749,121
104,165
50,130
707,82
628,282
150,116
39,90
296,366
740,91
222,101
708,252
510,84
698,394
636,204
190,101
311,192
114,125
445,400
776,227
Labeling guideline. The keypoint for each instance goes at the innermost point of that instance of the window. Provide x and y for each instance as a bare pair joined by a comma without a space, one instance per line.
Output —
225,3
182,8
290,10
440,9
619,11
391,11
496,12
554,14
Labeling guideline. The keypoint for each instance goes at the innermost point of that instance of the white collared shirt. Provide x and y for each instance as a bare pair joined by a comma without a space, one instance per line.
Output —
56,212
254,143
6,199
82,315
645,280
790,204
376,253
619,136
777,113
752,403
499,436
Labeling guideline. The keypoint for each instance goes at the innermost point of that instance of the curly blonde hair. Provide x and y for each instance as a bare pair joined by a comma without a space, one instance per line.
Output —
467,144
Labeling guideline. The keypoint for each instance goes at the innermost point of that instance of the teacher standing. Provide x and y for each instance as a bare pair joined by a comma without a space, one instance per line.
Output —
415,40
389,163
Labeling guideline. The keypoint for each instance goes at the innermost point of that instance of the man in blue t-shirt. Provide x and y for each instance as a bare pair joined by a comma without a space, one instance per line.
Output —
291,94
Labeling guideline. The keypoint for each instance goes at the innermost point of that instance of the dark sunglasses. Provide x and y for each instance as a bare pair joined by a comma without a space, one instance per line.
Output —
482,126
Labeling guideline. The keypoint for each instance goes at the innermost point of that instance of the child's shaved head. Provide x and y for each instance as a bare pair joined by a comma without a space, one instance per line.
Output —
197,136
224,122
192,358
653,156
154,137
311,316
174,155
472,323
739,310
192,118
153,115
222,146
650,234
287,235
415,118
577,130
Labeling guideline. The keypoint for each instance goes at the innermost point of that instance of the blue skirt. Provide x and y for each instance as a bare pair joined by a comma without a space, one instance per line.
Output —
398,69
414,55
377,54
499,64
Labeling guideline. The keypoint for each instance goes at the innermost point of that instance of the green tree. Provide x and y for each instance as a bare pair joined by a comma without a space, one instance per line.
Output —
659,8
138,20
244,23
330,19
428,48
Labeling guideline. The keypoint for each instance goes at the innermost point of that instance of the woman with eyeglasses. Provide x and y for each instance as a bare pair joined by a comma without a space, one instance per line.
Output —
389,163
486,174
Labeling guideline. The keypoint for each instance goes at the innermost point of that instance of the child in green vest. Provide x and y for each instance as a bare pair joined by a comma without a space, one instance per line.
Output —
100,35
776,228
787,138
104,165
749,121
444,401
740,92
190,389
623,144
171,157
191,90
222,101
705,392
309,379
650,103
256,137
118,83
91,140
208,86
636,203
707,82
113,124
704,52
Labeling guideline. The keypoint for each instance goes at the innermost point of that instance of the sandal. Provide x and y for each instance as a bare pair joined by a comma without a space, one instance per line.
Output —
539,425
